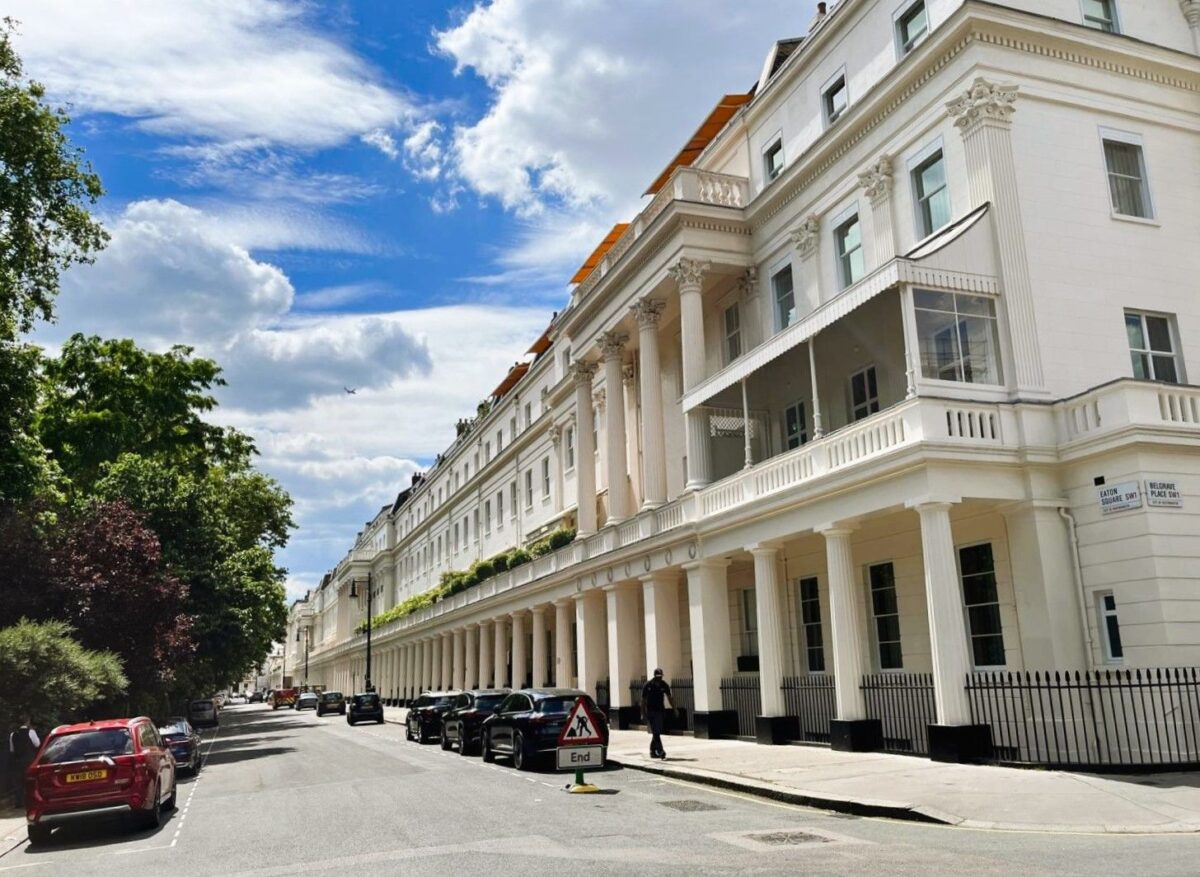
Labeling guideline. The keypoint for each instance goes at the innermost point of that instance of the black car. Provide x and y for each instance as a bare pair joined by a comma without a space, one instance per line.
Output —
364,707
425,716
254,697
331,702
184,742
527,724
461,723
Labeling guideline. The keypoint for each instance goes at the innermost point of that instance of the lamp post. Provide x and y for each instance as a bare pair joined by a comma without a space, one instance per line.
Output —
283,667
305,629
367,685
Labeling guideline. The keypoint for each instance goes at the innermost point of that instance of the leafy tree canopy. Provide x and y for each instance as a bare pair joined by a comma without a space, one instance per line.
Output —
45,189
49,676
103,398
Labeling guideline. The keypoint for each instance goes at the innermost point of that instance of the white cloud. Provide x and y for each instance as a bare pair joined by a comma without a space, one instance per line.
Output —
261,72
383,141
423,150
588,104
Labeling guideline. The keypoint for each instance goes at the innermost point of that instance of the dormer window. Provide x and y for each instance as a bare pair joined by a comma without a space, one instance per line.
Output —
773,160
1100,14
835,98
912,25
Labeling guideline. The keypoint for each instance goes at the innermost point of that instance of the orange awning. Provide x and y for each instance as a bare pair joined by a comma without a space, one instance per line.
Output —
597,254
510,380
709,128
541,345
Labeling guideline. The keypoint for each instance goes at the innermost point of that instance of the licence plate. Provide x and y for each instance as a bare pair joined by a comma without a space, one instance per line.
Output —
86,775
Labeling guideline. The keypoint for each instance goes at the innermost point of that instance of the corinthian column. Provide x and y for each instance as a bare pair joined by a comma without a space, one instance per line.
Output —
876,182
612,347
654,467
585,445
984,117
688,274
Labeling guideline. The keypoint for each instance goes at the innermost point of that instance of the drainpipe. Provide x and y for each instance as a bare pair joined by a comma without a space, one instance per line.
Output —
1077,569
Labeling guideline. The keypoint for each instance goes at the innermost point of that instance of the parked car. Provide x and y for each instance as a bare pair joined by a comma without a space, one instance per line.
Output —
527,724
364,707
184,742
203,714
96,769
462,722
425,715
331,702
254,697
307,701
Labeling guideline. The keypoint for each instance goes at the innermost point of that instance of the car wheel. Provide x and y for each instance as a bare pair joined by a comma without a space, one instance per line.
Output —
464,745
445,741
421,737
169,804
486,748
349,721
39,834
152,818
522,760
408,731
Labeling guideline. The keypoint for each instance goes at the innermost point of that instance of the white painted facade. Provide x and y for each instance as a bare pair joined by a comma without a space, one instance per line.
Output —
946,503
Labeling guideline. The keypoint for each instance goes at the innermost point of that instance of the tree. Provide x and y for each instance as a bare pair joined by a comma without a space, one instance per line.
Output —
104,398
115,590
217,533
26,587
45,189
48,675
26,469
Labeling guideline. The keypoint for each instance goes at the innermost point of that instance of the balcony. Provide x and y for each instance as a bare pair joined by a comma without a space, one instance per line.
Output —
688,185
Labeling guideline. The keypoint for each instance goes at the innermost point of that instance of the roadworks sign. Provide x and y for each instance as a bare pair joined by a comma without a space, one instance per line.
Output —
582,727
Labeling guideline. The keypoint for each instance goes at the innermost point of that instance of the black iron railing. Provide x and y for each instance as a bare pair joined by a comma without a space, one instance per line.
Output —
635,690
742,694
602,697
683,695
811,700
1107,719
904,705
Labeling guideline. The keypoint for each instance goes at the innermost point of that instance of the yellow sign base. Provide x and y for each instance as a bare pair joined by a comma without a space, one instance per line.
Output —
582,789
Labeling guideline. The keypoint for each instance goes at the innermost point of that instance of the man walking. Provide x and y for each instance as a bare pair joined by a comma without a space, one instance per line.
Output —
656,694
23,745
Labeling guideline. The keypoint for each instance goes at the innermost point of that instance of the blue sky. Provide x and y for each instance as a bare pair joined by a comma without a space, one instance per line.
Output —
378,194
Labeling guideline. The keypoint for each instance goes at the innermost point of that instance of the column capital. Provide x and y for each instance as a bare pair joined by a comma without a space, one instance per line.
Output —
1191,12
766,547
983,102
648,311
612,344
661,575
538,610
555,433
518,613
582,372
931,504
628,375
689,273
706,563
599,398
807,235
876,180
747,283
565,602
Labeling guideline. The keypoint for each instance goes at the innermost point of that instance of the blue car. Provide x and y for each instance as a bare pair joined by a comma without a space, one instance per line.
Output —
184,742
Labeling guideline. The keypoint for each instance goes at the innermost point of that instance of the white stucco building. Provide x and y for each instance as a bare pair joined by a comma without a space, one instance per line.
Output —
886,387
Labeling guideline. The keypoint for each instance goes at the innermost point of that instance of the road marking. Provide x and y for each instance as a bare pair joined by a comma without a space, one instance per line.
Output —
28,865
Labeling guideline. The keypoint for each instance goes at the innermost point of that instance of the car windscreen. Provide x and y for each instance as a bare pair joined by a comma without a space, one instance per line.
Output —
488,702
366,699
201,706
556,705
444,700
88,744
331,696
172,731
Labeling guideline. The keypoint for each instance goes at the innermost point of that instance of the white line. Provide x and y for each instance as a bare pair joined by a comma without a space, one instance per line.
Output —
28,865
141,850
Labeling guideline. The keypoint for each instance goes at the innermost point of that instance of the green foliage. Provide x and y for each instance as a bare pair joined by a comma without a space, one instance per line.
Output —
104,398
517,557
561,537
483,569
45,190
26,469
48,675
499,562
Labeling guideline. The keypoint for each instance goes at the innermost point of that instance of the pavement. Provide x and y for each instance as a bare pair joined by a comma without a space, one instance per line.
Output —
917,789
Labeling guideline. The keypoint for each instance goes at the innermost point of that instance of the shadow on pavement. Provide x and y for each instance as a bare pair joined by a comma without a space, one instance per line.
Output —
234,755
101,832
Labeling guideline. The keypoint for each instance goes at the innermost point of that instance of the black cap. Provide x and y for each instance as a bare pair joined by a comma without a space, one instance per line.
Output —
658,671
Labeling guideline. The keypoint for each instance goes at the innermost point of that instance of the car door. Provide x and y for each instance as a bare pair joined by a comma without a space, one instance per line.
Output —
162,764
514,707
455,720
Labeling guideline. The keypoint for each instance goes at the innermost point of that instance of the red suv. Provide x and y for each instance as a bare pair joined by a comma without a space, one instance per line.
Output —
116,766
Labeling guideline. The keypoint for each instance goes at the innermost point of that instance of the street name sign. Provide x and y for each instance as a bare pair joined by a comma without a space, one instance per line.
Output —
1119,497
1164,494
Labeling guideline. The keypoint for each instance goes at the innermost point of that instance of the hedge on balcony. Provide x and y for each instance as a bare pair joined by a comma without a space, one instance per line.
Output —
453,582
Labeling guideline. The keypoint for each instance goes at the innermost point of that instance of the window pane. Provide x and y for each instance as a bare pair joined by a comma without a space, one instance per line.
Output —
883,600
888,628
934,301
1160,334
984,619
913,25
975,559
890,657
1125,177
988,651
1141,366
1164,369
1114,635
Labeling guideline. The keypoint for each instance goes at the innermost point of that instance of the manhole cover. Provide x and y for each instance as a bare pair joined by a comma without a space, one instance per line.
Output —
787,838
690,806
